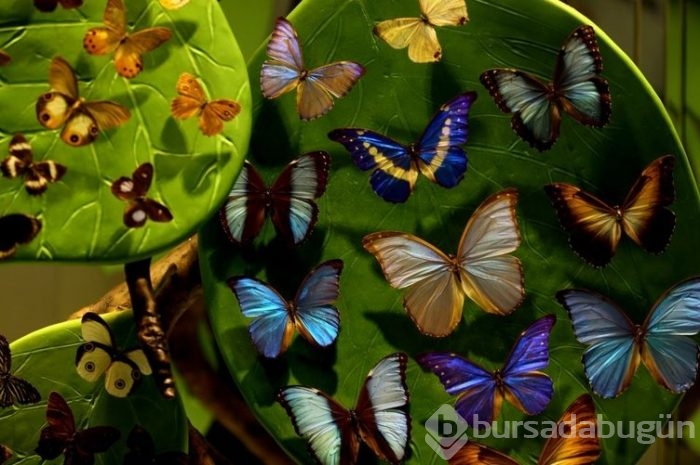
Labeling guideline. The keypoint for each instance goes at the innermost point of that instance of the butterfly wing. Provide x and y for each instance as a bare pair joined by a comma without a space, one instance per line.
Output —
41,174
190,99
433,298
20,158
156,211
271,329
95,356
5,356
315,93
394,174
54,107
382,409
137,186
491,277
121,377
106,39
668,352
316,317
293,210
13,389
473,453
474,386
445,12
215,113
54,437
243,213
128,58
323,423
418,35
107,114
612,357
281,72
442,160
16,229
594,231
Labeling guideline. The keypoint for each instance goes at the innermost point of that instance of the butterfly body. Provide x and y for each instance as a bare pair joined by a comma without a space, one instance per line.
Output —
37,175
13,390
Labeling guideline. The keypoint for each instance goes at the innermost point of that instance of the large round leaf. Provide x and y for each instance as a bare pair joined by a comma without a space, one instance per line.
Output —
82,219
398,97
46,358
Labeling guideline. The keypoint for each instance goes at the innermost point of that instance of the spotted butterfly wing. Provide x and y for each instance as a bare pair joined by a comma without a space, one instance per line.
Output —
16,229
595,228
13,390
480,393
48,6
438,153
192,101
36,176
140,208
380,416
142,451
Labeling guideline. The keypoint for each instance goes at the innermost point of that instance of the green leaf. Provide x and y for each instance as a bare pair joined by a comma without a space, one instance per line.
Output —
82,219
398,98
46,358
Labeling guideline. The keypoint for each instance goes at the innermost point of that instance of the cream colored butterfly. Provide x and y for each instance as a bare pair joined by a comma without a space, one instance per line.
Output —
418,34
99,355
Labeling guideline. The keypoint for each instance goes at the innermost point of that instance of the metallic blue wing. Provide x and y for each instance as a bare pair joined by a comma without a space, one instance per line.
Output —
316,316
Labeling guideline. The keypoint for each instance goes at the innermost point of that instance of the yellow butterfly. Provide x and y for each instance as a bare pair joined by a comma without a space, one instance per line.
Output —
418,34
192,100
128,48
63,106
173,4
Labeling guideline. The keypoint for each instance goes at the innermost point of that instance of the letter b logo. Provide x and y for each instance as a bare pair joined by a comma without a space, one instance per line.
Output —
446,432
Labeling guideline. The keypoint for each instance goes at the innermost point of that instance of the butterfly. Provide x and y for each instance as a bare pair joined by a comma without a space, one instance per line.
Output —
62,106
142,451
61,437
5,58
16,229
13,390
173,4
48,6
616,345
99,355
128,48
520,381
37,176
5,453
437,154
437,282
575,441
140,208
312,312
289,202
192,101
380,418
595,228
577,89
284,71
418,34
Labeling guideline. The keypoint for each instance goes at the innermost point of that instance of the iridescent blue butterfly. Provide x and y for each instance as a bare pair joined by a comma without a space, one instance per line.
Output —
312,311
520,381
577,89
616,345
437,154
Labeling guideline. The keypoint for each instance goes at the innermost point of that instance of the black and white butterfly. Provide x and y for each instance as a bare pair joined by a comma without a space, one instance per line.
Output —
123,369
13,390
142,451
577,89
37,175
140,208
16,229
380,418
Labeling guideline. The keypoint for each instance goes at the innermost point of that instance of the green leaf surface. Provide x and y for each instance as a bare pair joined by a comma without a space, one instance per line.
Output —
398,97
46,358
82,219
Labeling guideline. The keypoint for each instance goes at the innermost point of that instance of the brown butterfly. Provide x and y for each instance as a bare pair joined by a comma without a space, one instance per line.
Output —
595,228
5,453
5,58
37,176
15,229
128,48
140,207
48,6
63,106
192,101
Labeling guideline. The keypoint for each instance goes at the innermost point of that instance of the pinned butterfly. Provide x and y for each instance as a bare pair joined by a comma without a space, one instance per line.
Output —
13,390
616,345
16,229
520,381
81,120
99,355
128,48
595,228
312,312
577,89
192,101
380,418
140,208
418,34
37,175
436,283
438,153
289,201
285,71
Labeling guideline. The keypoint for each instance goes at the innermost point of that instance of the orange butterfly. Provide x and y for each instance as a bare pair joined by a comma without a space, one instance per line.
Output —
575,441
192,101
128,48
63,106
5,58
595,228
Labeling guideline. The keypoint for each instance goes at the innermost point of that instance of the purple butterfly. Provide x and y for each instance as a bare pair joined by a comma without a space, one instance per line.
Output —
481,392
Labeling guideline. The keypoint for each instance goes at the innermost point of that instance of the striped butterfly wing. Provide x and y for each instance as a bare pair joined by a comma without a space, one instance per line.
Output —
316,317
578,443
13,390
473,453
282,70
244,211
20,159
40,174
16,229
315,92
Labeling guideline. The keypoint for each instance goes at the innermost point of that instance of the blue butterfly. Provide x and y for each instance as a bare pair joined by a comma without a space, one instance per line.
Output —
616,345
520,381
312,311
437,154
577,89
